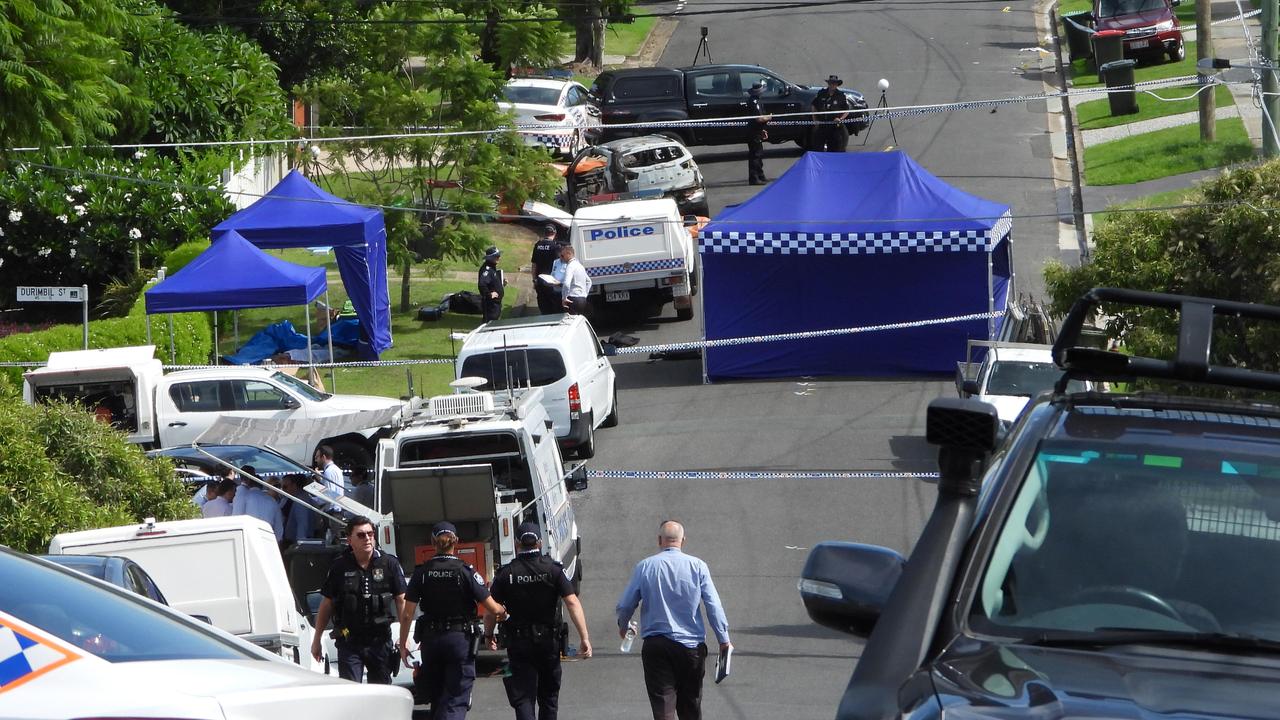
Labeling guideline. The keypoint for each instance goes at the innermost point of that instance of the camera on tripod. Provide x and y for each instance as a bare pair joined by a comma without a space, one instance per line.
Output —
704,30
704,47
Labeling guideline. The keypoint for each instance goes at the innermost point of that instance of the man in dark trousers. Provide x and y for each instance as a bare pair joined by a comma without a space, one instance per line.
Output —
363,593
755,141
830,134
545,252
531,586
448,633
670,588
492,285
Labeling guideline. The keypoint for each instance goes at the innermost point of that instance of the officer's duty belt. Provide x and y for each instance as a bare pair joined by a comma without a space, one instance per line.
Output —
439,626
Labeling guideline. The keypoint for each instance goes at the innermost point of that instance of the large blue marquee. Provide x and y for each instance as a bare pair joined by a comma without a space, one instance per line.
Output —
850,240
296,213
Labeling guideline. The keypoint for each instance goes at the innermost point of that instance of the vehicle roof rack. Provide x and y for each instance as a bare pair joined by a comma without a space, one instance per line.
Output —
1195,340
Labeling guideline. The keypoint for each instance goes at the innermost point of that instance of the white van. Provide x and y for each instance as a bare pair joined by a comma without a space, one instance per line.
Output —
558,353
227,569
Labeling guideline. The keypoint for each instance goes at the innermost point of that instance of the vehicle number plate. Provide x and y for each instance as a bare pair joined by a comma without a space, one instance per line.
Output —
617,296
1138,44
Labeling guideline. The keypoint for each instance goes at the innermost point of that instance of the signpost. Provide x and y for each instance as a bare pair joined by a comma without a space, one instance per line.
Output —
60,294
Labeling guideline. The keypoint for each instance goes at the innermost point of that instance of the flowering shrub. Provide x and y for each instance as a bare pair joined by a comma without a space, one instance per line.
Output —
103,219
9,327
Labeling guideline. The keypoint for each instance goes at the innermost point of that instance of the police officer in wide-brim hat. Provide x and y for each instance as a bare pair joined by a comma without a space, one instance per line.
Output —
830,134
448,631
364,594
531,587
492,285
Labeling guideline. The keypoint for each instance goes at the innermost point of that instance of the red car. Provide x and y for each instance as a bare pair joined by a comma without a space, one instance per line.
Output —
1150,28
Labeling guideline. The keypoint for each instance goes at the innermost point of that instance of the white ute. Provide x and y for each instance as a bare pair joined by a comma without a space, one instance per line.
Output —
157,410
638,251
1009,375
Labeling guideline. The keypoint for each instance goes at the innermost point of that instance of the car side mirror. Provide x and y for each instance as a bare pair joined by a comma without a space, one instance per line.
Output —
786,91
609,349
690,220
970,387
576,479
203,618
1175,3
845,586
291,404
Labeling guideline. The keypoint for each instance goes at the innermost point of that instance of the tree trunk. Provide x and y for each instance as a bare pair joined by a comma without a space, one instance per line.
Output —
589,34
405,269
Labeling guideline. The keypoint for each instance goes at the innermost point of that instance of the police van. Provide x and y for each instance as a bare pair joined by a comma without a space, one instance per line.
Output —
486,462
638,253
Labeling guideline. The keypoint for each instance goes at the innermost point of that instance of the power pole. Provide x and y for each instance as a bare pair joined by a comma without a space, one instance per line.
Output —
1204,49
1270,88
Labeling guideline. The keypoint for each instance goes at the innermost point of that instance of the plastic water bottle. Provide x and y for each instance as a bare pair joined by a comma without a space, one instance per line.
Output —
632,631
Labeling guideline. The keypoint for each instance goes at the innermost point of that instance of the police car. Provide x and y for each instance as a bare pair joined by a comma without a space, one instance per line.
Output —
554,114
74,646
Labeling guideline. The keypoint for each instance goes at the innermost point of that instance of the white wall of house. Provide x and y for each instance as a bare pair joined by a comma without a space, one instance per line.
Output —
251,177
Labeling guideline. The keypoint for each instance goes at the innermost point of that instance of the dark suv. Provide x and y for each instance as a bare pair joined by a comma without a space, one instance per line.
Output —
707,92
1112,555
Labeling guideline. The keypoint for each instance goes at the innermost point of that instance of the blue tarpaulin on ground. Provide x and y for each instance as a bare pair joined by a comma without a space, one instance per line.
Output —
296,213
852,239
234,275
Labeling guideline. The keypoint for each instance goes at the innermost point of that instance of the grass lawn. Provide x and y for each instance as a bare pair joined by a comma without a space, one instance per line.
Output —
1165,152
413,340
627,38
1084,74
1097,113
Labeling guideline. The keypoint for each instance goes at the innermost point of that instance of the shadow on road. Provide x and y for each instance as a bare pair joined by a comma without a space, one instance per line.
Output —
658,374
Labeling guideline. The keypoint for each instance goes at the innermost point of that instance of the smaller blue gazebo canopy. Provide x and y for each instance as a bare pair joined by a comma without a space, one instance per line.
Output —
234,275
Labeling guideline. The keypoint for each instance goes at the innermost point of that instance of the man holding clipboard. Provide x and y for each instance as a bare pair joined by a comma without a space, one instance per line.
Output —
670,588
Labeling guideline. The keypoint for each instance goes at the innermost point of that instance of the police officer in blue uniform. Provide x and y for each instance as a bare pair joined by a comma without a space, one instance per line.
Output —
492,285
448,632
545,253
531,586
363,593
830,134
756,135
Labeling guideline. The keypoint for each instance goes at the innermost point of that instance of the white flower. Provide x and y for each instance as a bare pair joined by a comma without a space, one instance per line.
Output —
15,215
140,154
69,198
1,261
63,218
135,233
44,252
1,232
128,196
73,252
74,242
182,208
177,196
77,188
80,210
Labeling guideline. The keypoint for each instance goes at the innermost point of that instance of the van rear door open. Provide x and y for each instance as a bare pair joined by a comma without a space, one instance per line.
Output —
423,496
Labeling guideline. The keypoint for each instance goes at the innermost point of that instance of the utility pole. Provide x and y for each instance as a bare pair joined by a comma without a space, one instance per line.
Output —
1204,49
1270,101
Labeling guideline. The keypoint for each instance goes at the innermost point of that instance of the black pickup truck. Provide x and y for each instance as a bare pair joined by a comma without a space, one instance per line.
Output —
704,92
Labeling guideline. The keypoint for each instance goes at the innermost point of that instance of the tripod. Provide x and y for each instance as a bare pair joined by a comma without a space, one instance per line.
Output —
881,107
704,48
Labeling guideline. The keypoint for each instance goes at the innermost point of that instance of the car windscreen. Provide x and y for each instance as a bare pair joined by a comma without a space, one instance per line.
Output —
1113,8
1011,377
266,463
114,626
1180,533
436,450
531,95
300,387
521,367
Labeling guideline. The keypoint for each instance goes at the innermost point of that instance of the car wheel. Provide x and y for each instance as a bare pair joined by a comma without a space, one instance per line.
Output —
684,313
611,420
348,454
1178,53
587,449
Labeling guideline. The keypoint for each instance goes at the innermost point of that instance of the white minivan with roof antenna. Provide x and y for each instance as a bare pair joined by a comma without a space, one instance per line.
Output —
558,353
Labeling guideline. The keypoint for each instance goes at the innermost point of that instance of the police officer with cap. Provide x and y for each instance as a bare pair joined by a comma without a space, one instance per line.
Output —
545,253
830,134
364,594
531,587
448,632
492,285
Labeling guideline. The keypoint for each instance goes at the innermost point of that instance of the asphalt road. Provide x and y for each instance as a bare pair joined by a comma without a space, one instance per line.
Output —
755,533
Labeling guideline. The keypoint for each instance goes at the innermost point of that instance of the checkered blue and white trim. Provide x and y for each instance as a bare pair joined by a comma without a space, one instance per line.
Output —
806,243
552,140
642,266
24,656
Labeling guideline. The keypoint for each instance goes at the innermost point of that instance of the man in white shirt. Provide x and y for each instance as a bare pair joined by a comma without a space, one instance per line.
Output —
334,481
575,284
220,505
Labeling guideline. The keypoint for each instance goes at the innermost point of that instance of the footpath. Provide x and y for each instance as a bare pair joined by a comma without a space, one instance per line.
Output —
1230,40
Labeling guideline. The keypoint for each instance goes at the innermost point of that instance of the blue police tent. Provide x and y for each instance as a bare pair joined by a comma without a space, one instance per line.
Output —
850,240
296,213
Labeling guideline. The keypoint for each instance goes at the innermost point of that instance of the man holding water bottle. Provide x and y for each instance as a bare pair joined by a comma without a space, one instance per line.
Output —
668,588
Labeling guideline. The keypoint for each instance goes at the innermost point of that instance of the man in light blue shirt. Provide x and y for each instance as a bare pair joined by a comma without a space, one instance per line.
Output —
669,587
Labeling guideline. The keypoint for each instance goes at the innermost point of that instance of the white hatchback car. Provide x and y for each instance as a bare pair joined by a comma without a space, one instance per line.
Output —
559,353
554,114
74,646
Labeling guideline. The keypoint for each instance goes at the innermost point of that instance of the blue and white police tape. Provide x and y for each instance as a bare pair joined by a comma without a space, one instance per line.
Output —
779,337
593,474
